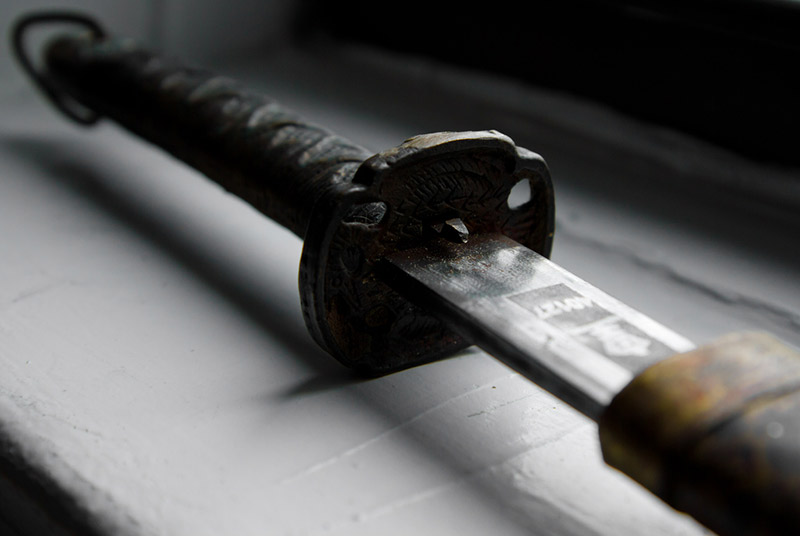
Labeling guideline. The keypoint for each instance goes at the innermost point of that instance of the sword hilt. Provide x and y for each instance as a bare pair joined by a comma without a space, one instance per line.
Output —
349,207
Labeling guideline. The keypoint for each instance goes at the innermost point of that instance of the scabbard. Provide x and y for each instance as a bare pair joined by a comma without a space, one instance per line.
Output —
714,432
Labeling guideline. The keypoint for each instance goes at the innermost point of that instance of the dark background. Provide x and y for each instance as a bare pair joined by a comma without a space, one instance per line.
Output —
723,71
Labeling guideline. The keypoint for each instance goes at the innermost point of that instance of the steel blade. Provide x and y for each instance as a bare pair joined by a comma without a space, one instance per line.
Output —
566,335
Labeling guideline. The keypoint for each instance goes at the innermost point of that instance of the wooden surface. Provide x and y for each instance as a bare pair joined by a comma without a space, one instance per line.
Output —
157,377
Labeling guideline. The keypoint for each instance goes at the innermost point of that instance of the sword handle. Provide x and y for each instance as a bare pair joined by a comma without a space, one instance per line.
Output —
715,432
243,140
350,207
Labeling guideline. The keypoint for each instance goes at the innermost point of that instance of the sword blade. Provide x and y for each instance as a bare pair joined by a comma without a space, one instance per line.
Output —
566,335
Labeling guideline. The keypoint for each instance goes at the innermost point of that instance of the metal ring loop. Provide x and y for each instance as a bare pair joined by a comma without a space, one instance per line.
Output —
47,86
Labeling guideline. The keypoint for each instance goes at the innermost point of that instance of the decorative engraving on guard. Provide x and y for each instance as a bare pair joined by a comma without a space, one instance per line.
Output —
403,195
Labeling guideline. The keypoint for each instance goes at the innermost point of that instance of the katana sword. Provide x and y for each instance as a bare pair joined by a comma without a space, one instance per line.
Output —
418,251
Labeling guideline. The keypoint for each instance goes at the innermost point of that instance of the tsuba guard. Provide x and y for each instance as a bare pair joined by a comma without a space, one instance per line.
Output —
397,199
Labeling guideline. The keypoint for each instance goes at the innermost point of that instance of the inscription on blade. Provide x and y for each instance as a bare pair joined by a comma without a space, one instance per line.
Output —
548,324
589,323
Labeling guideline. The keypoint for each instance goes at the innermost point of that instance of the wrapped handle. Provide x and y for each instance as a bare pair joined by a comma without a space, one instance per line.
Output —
350,207
243,140
716,433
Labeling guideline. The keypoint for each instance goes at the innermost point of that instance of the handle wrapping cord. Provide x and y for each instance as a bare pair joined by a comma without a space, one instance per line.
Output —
243,140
